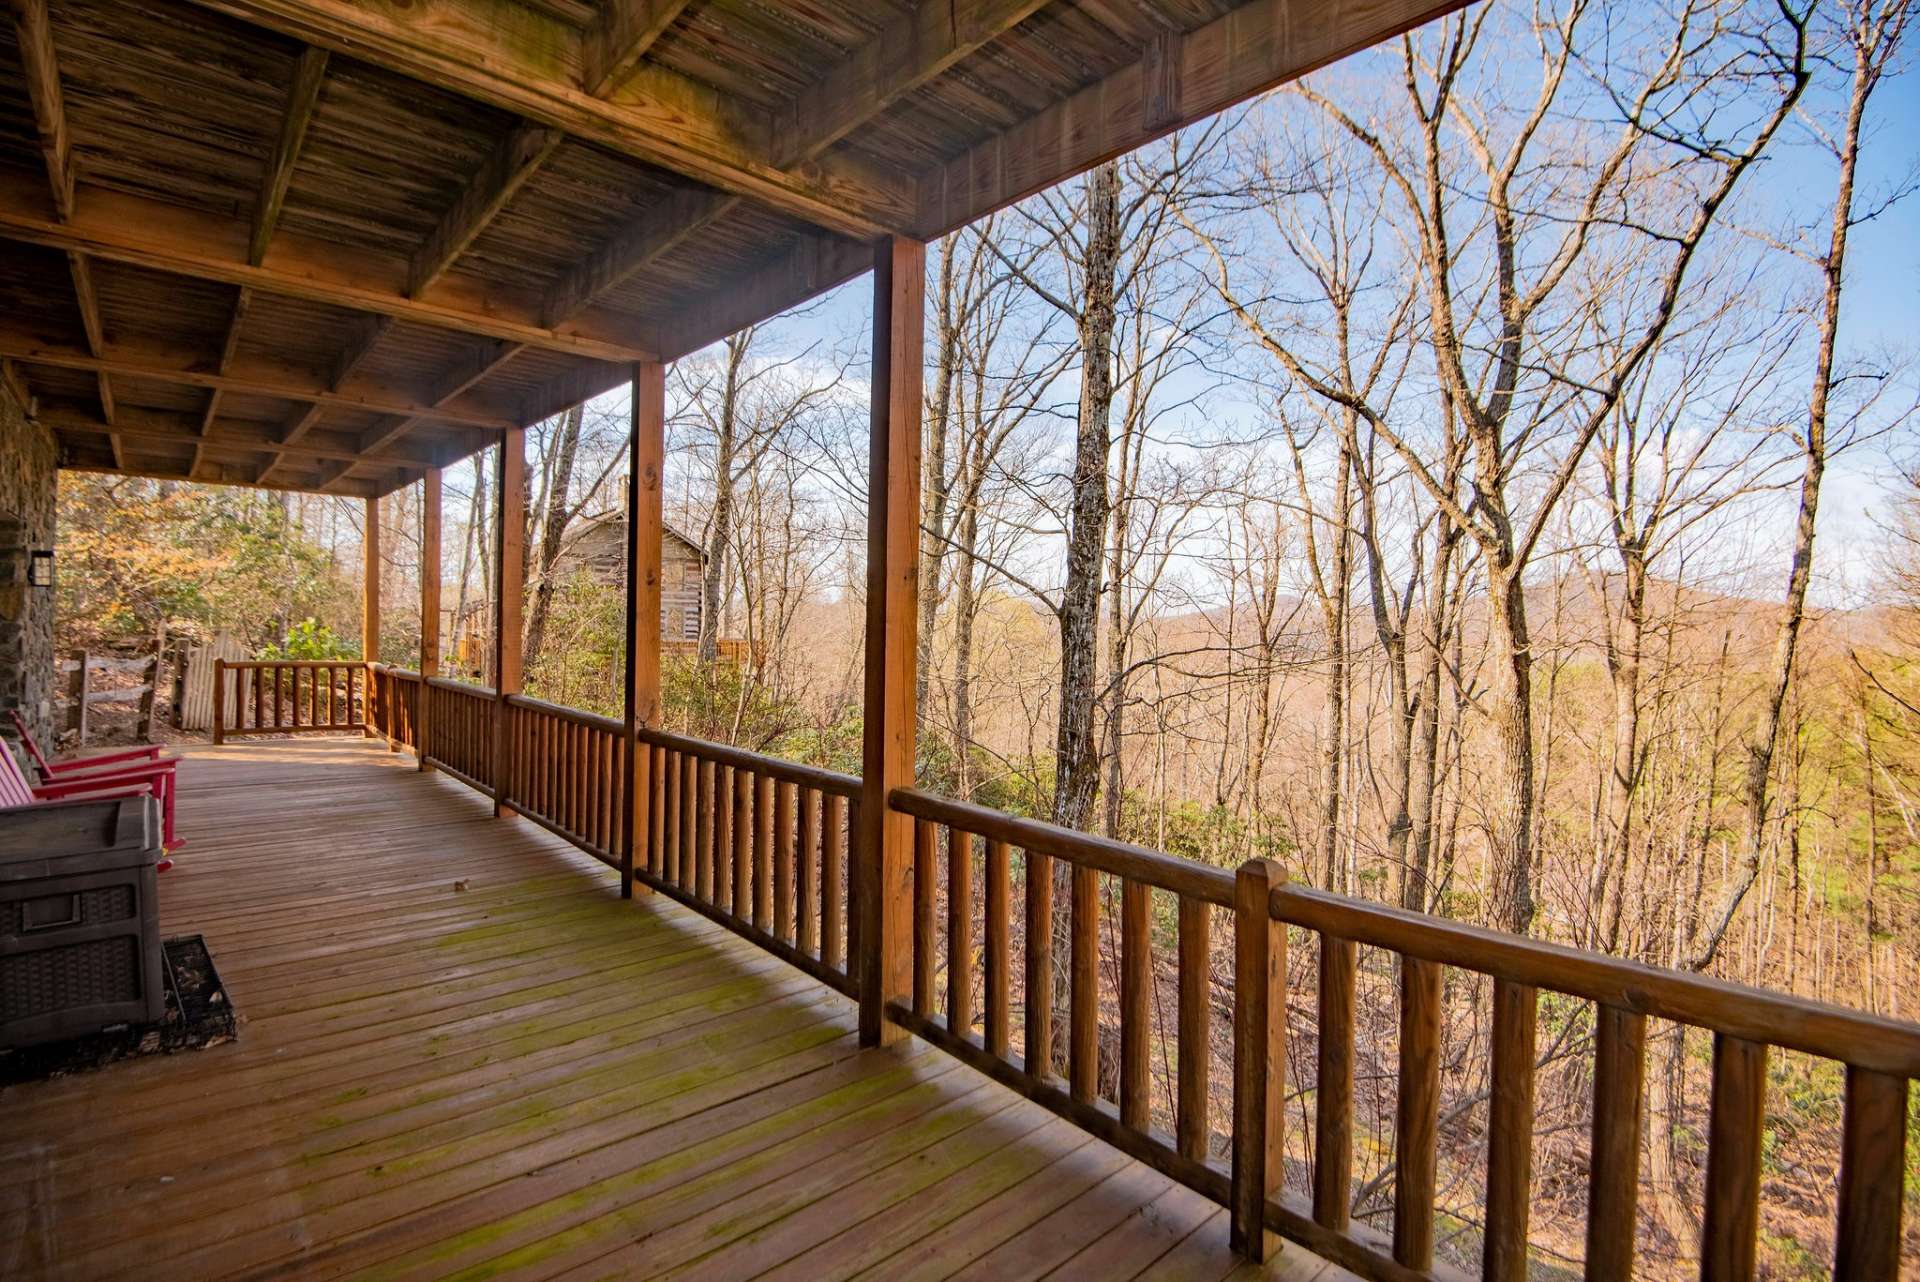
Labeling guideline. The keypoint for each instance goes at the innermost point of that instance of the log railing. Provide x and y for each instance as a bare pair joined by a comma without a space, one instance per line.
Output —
978,847
756,843
1880,1056
395,715
285,696
762,846
459,731
566,771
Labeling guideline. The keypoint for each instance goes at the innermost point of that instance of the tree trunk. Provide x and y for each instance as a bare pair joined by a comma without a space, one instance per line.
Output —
1510,831
720,530
933,479
553,529
1868,63
1076,752
964,574
1333,727
1623,775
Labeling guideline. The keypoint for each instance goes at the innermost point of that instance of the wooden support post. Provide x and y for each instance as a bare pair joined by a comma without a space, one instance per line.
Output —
1259,1054
219,702
370,606
1613,1187
646,461
1736,1134
429,608
884,857
509,567
77,691
1873,1152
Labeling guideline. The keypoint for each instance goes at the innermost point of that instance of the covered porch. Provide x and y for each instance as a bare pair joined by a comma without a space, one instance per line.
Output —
532,992
463,1056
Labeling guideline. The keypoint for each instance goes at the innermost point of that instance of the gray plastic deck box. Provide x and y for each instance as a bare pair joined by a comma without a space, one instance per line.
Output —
79,919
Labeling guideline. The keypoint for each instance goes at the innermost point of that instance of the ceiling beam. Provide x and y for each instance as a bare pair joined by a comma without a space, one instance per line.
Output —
617,43
89,304
161,237
504,172
227,438
812,265
34,34
456,382
241,302
913,49
358,349
351,358
643,241
908,52
499,52
302,96
250,376
212,473
1181,79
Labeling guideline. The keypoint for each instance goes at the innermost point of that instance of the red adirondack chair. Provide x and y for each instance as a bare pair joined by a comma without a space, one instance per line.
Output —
118,758
155,778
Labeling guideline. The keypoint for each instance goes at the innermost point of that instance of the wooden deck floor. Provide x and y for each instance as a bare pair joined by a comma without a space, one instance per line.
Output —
529,1079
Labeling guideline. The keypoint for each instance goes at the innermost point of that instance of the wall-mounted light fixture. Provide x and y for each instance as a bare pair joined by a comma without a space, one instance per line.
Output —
40,568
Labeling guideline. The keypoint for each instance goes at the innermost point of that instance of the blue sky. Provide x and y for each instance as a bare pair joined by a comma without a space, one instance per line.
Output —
1881,322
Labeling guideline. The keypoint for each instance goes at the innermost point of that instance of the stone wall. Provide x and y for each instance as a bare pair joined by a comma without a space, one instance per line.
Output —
27,480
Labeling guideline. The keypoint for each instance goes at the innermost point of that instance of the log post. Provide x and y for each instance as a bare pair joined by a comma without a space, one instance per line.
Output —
646,464
77,691
219,702
509,593
370,614
1259,1054
429,607
884,857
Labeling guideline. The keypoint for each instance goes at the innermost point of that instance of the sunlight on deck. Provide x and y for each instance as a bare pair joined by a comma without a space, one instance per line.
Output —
461,1055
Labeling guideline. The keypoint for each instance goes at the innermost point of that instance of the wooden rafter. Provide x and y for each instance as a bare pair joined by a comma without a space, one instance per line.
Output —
241,302
617,43
505,171
498,52
911,50
902,56
161,237
457,382
356,352
88,302
213,474
632,248
250,376
1180,79
227,437
34,33
302,96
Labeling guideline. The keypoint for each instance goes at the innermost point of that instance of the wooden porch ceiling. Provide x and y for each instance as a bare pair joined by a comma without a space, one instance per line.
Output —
325,244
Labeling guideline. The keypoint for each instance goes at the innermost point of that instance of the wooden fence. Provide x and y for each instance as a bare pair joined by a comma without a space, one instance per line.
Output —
283,696
763,847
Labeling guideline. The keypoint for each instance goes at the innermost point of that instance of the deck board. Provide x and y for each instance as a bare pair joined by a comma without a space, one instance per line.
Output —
462,1056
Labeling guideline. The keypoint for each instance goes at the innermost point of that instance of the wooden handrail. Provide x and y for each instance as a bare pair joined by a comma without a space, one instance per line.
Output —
461,687
1135,863
610,725
793,772
1756,1014
268,696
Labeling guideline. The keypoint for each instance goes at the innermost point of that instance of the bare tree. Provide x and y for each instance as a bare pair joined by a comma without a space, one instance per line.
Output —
1870,38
